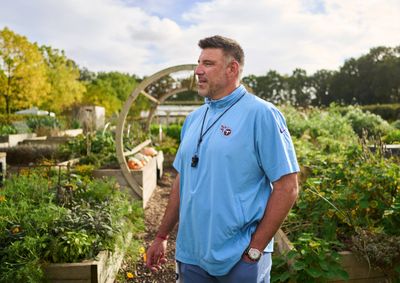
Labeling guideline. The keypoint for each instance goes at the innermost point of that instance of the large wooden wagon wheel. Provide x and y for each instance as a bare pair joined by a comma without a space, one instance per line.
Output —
140,89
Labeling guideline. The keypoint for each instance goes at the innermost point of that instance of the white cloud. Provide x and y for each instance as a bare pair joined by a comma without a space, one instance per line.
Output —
281,35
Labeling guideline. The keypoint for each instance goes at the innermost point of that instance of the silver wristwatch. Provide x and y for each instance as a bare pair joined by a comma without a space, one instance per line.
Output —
253,253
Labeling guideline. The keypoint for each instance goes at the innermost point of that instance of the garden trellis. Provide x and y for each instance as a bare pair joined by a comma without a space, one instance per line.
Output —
140,90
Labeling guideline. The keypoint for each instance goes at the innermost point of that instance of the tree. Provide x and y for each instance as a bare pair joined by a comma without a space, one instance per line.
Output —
23,80
300,88
63,76
272,87
321,82
370,79
110,90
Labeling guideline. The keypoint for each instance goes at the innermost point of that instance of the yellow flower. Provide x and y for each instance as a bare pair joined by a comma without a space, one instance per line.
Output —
130,275
2,198
142,250
15,230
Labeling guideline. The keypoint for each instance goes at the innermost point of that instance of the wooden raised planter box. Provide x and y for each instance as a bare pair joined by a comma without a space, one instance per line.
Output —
101,270
13,140
145,177
357,267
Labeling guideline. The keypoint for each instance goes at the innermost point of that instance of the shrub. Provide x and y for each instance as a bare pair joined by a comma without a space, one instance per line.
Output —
389,112
367,122
42,123
393,137
172,131
7,130
396,124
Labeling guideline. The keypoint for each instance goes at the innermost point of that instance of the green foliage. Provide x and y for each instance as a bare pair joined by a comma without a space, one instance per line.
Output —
97,149
7,119
171,139
171,130
343,180
392,137
7,130
37,122
63,76
389,112
111,89
396,124
316,124
372,78
168,146
311,260
43,220
23,80
367,122
174,131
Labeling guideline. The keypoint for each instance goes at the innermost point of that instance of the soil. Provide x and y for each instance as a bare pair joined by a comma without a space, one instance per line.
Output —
153,213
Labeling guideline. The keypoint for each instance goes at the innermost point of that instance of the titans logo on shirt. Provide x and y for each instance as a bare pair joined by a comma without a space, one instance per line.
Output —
226,130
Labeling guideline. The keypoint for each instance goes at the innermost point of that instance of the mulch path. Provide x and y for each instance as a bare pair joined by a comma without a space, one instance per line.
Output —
153,215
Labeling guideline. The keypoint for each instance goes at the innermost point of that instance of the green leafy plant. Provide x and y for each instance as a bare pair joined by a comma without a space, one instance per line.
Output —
311,260
47,217
36,122
392,137
366,121
342,179
97,149
7,130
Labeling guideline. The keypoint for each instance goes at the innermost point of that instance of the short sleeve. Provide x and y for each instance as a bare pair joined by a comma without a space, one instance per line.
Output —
276,153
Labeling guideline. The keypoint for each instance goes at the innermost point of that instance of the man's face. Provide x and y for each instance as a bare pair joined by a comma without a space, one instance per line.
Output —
211,71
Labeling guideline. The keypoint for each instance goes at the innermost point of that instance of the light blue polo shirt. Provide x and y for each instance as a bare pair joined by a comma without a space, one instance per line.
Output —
223,199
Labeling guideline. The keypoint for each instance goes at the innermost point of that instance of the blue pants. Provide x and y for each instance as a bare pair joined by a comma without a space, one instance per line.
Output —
242,272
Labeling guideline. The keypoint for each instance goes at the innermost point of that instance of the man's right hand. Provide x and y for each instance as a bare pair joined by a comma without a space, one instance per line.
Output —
156,254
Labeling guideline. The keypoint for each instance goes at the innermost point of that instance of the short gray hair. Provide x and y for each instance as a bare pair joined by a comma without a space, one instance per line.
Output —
229,46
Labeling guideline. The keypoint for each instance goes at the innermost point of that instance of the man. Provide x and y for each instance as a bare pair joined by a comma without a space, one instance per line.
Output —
237,178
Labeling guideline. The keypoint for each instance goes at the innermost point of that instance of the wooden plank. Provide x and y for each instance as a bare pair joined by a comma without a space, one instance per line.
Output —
358,268
284,245
137,148
68,271
101,270
109,270
155,100
147,179
68,162
71,281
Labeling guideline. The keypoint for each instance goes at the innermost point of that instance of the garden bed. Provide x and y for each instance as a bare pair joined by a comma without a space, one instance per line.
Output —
14,139
357,268
146,178
101,270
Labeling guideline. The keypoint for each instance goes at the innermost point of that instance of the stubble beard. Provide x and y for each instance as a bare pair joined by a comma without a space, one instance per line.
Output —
210,92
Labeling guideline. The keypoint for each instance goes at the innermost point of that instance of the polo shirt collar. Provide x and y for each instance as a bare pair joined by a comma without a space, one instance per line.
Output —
226,100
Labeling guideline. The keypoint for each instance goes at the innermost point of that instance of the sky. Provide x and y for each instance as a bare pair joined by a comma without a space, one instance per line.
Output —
142,37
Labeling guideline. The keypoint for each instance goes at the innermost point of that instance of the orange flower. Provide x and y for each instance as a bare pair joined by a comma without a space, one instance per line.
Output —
130,275
144,257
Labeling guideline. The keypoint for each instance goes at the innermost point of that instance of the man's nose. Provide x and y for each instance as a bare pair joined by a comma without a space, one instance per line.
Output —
198,70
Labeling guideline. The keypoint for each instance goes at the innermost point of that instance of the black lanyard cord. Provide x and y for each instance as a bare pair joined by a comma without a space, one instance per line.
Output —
219,117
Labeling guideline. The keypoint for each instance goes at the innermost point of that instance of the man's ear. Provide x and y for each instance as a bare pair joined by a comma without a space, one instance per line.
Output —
234,68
